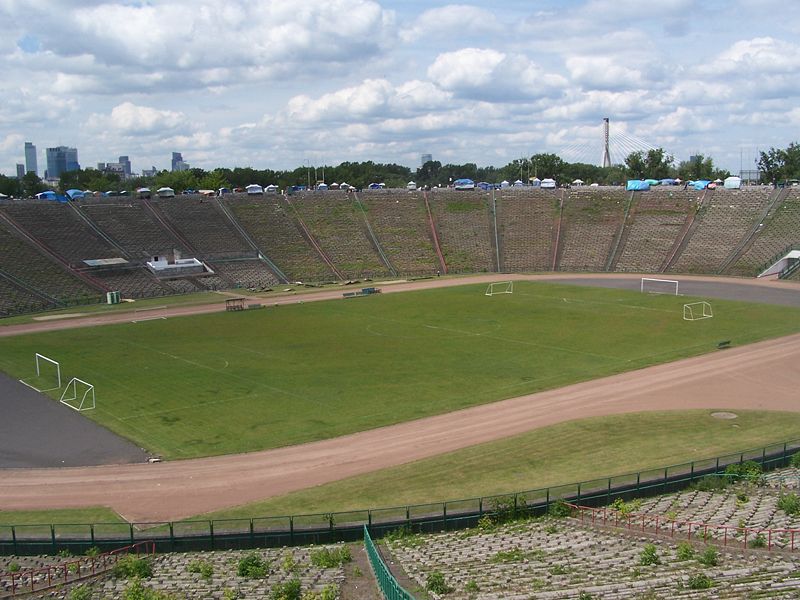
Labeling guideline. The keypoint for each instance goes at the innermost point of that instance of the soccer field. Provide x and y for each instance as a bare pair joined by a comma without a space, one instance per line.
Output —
234,382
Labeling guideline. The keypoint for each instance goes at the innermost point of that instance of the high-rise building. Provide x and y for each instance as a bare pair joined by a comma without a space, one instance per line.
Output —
31,165
126,165
61,159
177,162
20,171
425,158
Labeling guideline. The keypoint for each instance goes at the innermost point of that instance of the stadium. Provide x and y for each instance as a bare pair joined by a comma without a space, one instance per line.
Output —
280,370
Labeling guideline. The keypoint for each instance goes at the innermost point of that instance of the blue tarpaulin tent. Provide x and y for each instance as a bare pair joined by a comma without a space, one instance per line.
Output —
652,181
637,185
700,184
668,181
75,194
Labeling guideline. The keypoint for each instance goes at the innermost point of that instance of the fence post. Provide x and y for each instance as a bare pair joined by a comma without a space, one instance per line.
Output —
211,531
480,506
130,525
291,530
608,493
444,515
252,534
53,537
171,536
691,473
14,539
638,480
665,480
547,500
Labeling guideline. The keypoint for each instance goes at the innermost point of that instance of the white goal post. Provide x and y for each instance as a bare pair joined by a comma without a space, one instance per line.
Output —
694,311
48,362
85,391
659,286
500,287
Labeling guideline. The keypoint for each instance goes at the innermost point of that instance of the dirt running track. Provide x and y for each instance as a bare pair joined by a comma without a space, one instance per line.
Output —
760,376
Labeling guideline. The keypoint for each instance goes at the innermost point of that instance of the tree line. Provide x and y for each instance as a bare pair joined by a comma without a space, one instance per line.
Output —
775,165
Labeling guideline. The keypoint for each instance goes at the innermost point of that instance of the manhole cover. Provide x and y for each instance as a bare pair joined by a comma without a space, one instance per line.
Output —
724,415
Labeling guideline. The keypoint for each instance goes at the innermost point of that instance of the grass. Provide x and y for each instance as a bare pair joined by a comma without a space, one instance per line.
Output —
291,374
569,452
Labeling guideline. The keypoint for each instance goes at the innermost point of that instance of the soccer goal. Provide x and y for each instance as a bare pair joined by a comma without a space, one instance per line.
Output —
48,375
659,286
501,287
694,311
78,395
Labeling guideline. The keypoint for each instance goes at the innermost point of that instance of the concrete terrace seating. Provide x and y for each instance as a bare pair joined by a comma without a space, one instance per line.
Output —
252,274
204,226
61,229
131,226
20,259
267,222
15,300
781,229
655,221
721,225
465,229
338,225
526,218
133,283
590,223
561,559
400,222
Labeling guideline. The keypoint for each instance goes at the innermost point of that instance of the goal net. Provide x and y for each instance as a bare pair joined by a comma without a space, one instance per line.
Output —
48,374
694,311
502,287
78,395
659,286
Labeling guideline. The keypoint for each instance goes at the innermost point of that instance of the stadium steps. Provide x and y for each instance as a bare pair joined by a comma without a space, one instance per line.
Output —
557,238
226,212
434,234
463,225
100,233
526,219
621,238
304,231
686,233
52,254
376,245
778,197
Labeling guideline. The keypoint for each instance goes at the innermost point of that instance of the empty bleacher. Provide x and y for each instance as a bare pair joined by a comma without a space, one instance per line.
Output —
15,299
60,229
131,226
655,220
267,222
399,220
722,223
337,224
781,229
590,223
247,273
526,218
465,229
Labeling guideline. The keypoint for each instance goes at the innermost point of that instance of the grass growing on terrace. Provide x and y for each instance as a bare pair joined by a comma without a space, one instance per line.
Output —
234,382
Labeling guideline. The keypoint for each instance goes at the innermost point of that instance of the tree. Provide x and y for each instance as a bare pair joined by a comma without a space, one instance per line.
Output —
10,186
548,165
214,180
772,165
658,163
697,167
635,165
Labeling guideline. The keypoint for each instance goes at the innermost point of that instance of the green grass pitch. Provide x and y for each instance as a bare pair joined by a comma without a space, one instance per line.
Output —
234,382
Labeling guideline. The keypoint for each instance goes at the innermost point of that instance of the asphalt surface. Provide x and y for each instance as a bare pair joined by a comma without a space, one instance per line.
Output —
36,431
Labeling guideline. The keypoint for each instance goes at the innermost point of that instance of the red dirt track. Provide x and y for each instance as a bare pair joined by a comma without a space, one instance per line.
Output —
762,376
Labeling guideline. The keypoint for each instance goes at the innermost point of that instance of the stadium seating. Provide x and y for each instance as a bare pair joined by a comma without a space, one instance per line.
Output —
338,226
722,223
135,282
131,226
591,221
247,273
781,229
526,218
15,300
465,229
654,223
399,220
268,223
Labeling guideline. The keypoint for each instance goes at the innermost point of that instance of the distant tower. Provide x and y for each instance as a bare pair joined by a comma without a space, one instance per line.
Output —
425,158
31,165
20,171
606,153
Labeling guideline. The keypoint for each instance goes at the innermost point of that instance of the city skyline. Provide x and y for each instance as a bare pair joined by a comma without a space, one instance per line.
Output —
270,86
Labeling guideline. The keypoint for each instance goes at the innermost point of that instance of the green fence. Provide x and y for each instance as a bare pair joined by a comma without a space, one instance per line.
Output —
324,528
390,588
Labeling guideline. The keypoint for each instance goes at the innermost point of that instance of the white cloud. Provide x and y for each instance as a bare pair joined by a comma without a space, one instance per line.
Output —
456,20
128,119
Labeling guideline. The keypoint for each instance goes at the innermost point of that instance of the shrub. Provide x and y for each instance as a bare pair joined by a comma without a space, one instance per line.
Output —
288,590
325,558
329,592
133,566
505,556
551,528
13,567
486,523
709,557
472,587
136,591
700,581
289,563
435,583
203,567
749,471
252,566
82,592
507,509
230,594
789,503
710,483
649,555
65,553
685,551
585,596
558,570
742,497
760,541
560,509
92,552
795,461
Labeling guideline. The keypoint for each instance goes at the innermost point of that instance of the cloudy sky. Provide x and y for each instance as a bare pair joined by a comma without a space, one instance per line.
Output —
281,83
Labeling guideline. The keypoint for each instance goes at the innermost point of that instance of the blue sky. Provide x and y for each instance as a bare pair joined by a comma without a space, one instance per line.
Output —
283,83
